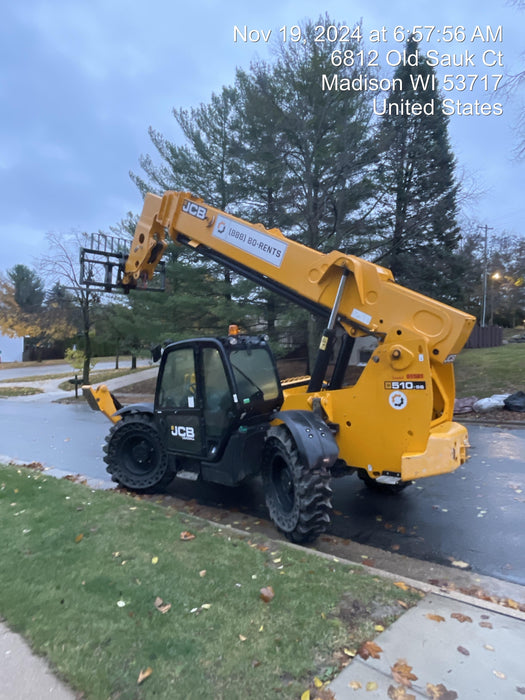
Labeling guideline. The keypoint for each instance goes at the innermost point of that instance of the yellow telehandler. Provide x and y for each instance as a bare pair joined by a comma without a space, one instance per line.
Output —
220,412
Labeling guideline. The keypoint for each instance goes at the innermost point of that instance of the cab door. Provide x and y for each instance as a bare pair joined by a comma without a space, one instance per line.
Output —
178,401
194,400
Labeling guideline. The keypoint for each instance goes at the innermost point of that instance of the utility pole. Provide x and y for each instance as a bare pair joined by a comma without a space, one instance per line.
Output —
485,274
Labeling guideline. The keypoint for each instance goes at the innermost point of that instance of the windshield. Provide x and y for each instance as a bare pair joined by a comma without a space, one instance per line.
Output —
254,375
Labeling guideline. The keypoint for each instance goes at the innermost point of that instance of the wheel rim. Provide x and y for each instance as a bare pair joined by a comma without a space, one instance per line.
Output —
140,454
283,485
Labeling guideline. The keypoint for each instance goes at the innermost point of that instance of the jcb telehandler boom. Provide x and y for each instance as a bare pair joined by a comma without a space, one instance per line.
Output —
220,412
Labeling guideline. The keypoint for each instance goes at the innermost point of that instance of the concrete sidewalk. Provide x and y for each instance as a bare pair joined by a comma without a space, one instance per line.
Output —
470,651
24,676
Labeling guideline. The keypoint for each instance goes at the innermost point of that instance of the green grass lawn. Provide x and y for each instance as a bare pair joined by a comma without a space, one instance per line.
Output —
486,371
107,586
7,391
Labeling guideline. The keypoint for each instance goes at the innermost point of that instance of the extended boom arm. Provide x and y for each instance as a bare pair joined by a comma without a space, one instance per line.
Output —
372,303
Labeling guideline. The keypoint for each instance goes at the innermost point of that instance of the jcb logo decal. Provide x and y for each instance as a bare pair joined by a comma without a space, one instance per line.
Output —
194,209
181,431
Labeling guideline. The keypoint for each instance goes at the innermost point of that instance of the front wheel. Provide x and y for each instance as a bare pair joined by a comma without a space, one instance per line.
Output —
297,496
134,454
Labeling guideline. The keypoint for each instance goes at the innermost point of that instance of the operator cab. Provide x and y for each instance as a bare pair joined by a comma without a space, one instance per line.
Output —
213,394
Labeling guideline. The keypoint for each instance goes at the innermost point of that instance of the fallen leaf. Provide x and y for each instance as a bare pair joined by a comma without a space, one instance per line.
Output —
161,606
460,564
154,560
242,638
350,652
379,628
369,649
499,675
146,673
460,617
402,585
79,538
204,606
399,693
185,536
520,690
488,647
464,651
440,692
355,685
305,695
318,682
202,573
436,618
402,673
488,625
267,594
403,604
512,604
371,685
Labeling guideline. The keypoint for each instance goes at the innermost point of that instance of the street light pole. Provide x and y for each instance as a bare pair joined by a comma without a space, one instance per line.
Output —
495,276
485,273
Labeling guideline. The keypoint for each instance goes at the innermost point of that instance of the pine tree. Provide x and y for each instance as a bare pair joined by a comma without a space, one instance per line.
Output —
307,150
29,288
321,147
418,235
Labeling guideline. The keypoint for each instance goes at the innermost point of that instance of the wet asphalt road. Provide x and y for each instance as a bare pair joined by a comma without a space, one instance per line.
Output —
475,515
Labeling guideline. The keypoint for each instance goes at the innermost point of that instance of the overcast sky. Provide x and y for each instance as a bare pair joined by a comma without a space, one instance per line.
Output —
81,82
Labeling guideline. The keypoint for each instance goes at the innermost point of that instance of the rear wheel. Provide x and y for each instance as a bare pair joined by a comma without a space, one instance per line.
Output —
297,497
135,456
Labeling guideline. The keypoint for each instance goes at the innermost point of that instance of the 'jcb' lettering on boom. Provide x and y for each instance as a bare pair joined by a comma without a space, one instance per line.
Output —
194,209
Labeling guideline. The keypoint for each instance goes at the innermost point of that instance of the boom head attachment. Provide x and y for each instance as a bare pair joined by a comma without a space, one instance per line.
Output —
102,265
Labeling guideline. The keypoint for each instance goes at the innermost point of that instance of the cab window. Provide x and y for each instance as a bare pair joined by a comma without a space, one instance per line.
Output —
218,399
254,375
179,388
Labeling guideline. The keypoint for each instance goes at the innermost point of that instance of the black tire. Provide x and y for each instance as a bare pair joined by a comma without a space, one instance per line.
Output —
135,456
297,497
373,485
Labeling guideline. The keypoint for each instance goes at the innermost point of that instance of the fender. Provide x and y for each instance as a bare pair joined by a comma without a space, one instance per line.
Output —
135,408
314,440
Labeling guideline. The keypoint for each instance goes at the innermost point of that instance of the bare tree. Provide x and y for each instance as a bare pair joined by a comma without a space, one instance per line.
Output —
512,87
62,267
